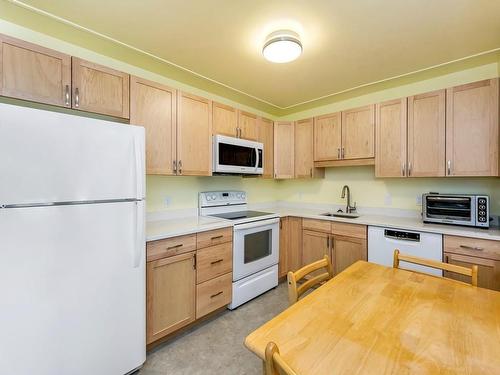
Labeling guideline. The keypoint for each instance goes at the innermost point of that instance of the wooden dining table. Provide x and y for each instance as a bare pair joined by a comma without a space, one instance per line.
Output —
372,319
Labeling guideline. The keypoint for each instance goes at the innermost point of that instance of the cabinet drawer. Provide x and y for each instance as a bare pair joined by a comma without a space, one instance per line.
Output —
170,246
318,225
214,261
213,294
214,237
472,246
349,230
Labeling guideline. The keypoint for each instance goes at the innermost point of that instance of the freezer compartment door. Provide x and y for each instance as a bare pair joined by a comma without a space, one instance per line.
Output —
55,157
72,287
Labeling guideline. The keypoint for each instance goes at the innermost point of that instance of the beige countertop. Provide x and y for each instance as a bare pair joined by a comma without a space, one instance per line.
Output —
160,229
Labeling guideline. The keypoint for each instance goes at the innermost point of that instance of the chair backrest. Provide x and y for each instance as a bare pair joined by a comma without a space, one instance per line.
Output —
275,365
471,272
294,291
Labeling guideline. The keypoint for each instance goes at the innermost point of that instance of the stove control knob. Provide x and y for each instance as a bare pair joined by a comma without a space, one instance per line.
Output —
214,197
208,197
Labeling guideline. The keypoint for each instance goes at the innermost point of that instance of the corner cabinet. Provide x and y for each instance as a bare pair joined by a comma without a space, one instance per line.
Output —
303,150
99,89
265,131
284,141
472,135
31,72
154,106
194,135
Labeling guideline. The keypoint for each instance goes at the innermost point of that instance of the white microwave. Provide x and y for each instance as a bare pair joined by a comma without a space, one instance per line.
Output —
237,156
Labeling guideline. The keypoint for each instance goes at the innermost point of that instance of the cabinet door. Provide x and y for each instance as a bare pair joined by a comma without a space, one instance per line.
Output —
283,149
99,89
294,259
171,291
327,137
488,275
247,122
154,107
284,246
304,155
358,133
266,137
35,73
472,129
315,245
194,140
346,251
225,120
390,134
426,134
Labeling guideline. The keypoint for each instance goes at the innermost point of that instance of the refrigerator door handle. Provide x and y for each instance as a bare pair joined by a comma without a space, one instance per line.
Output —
139,242
139,168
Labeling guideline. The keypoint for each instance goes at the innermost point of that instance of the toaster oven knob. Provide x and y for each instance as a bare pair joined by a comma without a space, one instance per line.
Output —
482,201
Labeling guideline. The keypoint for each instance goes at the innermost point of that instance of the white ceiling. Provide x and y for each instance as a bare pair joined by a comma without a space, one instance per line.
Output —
347,43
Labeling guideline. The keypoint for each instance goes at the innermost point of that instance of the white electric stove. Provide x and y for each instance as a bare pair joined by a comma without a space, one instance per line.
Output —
255,243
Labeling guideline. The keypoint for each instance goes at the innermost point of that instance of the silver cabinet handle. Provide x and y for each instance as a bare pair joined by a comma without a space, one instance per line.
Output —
180,166
66,96
216,261
449,167
77,98
343,152
216,294
328,241
175,166
403,169
237,132
471,248
311,172
174,246
409,168
338,153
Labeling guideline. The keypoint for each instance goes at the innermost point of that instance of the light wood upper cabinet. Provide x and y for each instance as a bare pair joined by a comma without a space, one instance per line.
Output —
327,137
32,72
426,134
284,149
358,133
99,89
304,154
154,106
472,129
194,135
265,129
247,122
390,136
171,291
225,120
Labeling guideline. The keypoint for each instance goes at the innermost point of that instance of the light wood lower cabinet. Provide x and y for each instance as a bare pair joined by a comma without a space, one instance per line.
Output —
346,251
171,294
290,245
213,294
32,72
99,89
315,245
214,261
154,106
464,251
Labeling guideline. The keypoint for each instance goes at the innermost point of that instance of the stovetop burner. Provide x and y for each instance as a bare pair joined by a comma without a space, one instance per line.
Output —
241,215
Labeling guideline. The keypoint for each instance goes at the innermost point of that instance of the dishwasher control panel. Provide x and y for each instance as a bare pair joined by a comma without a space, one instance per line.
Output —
400,235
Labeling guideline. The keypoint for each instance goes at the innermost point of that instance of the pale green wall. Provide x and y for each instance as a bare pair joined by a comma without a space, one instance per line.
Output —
182,191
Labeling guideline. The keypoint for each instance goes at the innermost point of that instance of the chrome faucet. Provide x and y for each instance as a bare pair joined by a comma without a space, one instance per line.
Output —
348,209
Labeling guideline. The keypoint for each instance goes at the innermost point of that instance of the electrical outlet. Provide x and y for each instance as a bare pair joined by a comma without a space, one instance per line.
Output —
388,199
166,201
418,200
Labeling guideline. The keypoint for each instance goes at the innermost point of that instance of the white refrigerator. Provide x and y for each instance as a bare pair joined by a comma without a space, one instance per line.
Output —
72,244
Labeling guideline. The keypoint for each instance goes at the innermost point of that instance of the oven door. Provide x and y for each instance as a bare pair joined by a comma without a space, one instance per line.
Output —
255,247
234,155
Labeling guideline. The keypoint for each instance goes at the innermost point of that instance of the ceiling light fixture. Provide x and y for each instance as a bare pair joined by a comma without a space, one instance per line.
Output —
282,46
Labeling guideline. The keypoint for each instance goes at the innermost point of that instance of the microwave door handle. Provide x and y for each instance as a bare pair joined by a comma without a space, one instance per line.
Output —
256,157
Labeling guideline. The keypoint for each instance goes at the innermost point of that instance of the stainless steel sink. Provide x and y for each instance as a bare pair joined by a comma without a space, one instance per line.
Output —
341,214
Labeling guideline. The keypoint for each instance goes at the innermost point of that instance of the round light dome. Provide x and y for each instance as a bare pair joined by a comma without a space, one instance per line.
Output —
282,47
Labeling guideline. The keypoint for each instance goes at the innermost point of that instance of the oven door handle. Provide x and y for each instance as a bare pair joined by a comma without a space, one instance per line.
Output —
256,224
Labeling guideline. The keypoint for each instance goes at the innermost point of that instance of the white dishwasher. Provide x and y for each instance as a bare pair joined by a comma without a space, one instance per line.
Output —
383,241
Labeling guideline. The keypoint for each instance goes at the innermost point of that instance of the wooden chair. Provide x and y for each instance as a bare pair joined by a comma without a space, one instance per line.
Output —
275,365
471,272
294,291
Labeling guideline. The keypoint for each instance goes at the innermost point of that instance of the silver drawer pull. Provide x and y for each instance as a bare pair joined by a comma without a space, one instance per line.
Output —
174,247
216,294
471,248
216,261
217,237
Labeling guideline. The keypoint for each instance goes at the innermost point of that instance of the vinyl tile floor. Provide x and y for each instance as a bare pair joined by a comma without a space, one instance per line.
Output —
216,345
